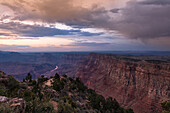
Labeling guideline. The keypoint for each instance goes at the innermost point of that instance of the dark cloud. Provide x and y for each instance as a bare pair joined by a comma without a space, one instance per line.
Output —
90,34
140,20
115,10
156,2
38,31
5,34
91,44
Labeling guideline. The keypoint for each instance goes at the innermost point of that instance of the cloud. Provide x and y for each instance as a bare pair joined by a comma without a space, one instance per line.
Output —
13,47
23,30
141,19
146,19
64,11
115,10
87,44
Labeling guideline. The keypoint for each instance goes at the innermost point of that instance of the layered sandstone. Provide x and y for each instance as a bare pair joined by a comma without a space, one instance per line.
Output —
136,84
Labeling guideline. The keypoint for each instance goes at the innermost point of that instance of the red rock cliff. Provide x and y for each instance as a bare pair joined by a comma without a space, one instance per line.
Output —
140,85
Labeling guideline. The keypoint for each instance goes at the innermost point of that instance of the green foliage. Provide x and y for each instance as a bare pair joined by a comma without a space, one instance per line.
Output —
5,108
65,76
72,96
29,95
81,87
166,106
12,87
58,84
45,107
69,100
57,76
29,77
65,108
23,80
109,105
42,79
12,83
31,106
3,92
129,111
34,82
97,101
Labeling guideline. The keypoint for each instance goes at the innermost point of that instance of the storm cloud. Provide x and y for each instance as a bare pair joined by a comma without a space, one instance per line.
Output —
146,19
138,19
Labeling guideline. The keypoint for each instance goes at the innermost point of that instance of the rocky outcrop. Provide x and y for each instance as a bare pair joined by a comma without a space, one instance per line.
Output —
3,99
16,104
136,84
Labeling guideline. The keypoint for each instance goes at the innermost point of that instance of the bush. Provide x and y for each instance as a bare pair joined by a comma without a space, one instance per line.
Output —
3,92
58,85
12,83
5,108
166,106
70,101
45,107
97,101
65,76
29,77
29,95
42,79
65,108
57,76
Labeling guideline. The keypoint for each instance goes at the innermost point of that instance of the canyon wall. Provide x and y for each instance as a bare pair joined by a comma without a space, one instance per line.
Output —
134,82
19,64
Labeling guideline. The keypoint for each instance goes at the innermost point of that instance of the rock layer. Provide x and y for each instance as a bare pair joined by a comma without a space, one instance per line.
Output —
135,84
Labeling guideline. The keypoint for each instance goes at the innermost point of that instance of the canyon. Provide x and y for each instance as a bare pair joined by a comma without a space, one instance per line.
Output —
20,64
136,82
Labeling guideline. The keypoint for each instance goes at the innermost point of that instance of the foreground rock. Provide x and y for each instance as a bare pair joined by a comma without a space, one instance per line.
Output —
15,104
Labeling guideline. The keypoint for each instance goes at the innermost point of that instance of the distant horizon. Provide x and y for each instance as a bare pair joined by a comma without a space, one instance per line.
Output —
89,51
147,53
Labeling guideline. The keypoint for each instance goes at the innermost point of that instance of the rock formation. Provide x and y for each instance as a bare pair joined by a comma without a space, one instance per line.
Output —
138,84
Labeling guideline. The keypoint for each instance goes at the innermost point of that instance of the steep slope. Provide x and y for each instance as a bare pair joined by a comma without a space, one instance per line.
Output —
139,84
54,95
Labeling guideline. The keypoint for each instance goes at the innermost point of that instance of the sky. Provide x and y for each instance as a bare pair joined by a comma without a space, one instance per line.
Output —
84,25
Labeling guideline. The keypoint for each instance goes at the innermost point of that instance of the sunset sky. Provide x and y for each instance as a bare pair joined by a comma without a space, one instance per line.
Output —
84,25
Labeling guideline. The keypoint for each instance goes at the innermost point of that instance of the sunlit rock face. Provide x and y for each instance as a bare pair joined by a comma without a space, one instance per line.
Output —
138,84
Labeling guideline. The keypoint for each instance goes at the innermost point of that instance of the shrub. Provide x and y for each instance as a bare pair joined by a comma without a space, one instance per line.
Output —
5,108
65,108
3,92
29,77
45,107
58,85
12,83
29,95
57,76
166,106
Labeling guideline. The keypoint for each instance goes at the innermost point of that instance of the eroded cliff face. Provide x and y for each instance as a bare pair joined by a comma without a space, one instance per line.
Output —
135,84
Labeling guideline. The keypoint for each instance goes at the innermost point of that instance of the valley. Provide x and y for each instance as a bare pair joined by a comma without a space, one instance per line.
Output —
140,82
